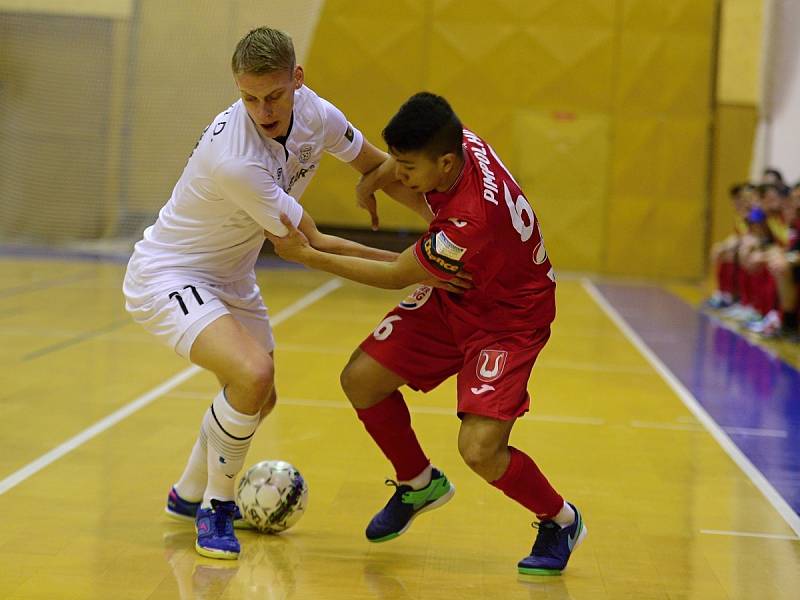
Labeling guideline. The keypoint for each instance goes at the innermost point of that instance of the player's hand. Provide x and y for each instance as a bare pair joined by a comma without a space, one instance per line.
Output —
294,246
370,183
365,196
459,284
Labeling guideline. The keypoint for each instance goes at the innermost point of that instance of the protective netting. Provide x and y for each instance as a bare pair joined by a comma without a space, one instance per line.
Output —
100,105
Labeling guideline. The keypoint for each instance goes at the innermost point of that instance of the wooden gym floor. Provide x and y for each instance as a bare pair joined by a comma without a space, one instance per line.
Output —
98,419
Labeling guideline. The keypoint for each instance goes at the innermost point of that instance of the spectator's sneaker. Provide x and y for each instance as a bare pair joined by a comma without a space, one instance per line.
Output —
183,510
553,547
740,313
769,327
718,301
214,526
406,503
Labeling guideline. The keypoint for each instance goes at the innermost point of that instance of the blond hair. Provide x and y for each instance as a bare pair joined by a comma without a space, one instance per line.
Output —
263,50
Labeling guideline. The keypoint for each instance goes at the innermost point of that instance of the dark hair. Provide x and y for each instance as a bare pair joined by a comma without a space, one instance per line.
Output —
736,189
425,122
775,172
779,188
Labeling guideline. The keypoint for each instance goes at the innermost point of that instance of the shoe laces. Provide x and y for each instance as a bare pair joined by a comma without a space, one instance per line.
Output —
547,538
224,513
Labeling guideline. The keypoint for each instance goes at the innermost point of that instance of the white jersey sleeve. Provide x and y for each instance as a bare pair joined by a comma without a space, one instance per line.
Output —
340,138
235,185
253,189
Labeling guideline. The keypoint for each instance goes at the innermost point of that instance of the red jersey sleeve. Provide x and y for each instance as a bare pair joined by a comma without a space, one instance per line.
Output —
447,245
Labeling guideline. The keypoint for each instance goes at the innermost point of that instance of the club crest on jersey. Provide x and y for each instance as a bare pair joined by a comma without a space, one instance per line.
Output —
417,298
444,247
490,364
305,153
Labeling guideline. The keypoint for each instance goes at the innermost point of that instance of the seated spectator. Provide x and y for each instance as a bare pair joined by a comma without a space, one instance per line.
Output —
783,262
755,285
723,254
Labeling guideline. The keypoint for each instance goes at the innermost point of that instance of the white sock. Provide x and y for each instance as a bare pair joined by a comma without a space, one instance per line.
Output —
421,480
229,433
566,516
192,483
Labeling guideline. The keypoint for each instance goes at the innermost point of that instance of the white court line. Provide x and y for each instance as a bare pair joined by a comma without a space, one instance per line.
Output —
757,432
594,367
423,410
545,364
769,536
751,431
668,426
761,482
84,436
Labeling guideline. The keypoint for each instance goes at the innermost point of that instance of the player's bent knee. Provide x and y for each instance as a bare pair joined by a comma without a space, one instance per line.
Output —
351,381
260,374
254,382
362,386
481,458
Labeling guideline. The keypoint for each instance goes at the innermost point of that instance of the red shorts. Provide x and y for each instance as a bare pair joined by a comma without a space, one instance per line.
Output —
424,343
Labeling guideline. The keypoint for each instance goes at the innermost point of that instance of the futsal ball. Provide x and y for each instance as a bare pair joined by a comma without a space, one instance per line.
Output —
272,496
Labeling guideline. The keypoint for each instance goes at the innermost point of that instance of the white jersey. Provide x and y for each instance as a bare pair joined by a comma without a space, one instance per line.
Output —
235,185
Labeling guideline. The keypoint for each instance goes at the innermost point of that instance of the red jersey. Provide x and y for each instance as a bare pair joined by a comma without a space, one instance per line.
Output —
485,225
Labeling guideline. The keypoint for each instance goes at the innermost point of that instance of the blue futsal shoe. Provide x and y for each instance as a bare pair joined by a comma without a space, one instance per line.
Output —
553,547
405,504
183,510
214,526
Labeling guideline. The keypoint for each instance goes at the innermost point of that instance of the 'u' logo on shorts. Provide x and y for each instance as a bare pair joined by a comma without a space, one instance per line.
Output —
490,364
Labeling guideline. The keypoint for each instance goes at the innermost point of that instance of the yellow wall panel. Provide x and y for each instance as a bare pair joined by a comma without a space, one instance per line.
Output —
579,13
685,16
654,239
664,72
462,69
560,161
733,140
539,53
640,69
660,156
573,70
741,25
658,191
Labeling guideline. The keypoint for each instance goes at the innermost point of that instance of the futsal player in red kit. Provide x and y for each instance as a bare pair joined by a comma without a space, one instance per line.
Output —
488,335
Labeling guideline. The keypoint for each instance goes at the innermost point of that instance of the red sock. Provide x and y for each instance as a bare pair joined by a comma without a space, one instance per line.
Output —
389,424
525,483
744,287
725,277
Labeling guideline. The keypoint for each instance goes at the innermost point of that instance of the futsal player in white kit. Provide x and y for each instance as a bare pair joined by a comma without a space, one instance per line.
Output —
191,279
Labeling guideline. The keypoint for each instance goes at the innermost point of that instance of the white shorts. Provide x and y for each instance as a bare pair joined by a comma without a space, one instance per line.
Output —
176,309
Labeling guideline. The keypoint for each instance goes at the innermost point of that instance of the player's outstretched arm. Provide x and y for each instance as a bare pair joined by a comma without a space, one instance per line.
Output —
397,274
336,245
